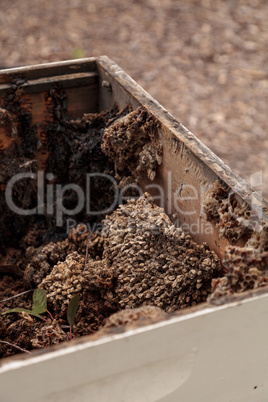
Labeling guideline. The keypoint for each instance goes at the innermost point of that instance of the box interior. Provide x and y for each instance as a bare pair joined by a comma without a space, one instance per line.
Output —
95,85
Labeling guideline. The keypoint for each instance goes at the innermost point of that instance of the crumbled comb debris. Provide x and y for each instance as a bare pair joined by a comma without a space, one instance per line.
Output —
131,142
135,317
155,262
223,207
48,334
247,268
145,260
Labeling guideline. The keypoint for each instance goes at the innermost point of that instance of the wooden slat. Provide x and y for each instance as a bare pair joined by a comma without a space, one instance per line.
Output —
49,69
46,83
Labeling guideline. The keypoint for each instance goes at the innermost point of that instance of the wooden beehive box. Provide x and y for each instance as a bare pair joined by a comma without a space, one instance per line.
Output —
204,353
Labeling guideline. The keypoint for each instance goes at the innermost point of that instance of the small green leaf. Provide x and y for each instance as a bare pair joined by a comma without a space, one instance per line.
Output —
78,53
39,301
72,310
22,310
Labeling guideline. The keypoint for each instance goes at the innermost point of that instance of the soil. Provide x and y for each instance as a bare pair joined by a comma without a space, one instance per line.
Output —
203,60
135,258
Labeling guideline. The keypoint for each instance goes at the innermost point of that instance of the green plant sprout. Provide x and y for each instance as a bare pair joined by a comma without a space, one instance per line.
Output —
78,53
40,307
71,312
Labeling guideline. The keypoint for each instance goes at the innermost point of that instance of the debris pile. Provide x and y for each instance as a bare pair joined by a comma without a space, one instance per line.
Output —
153,261
145,260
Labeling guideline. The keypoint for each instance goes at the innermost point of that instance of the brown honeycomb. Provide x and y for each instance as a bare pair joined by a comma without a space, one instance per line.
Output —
259,240
247,268
223,207
153,261
81,239
42,259
64,281
72,276
145,260
131,142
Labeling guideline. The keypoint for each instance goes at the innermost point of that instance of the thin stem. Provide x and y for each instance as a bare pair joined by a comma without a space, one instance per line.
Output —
43,319
15,346
71,335
51,316
20,294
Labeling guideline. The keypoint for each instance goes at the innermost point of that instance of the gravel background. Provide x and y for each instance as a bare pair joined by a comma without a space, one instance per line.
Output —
205,61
